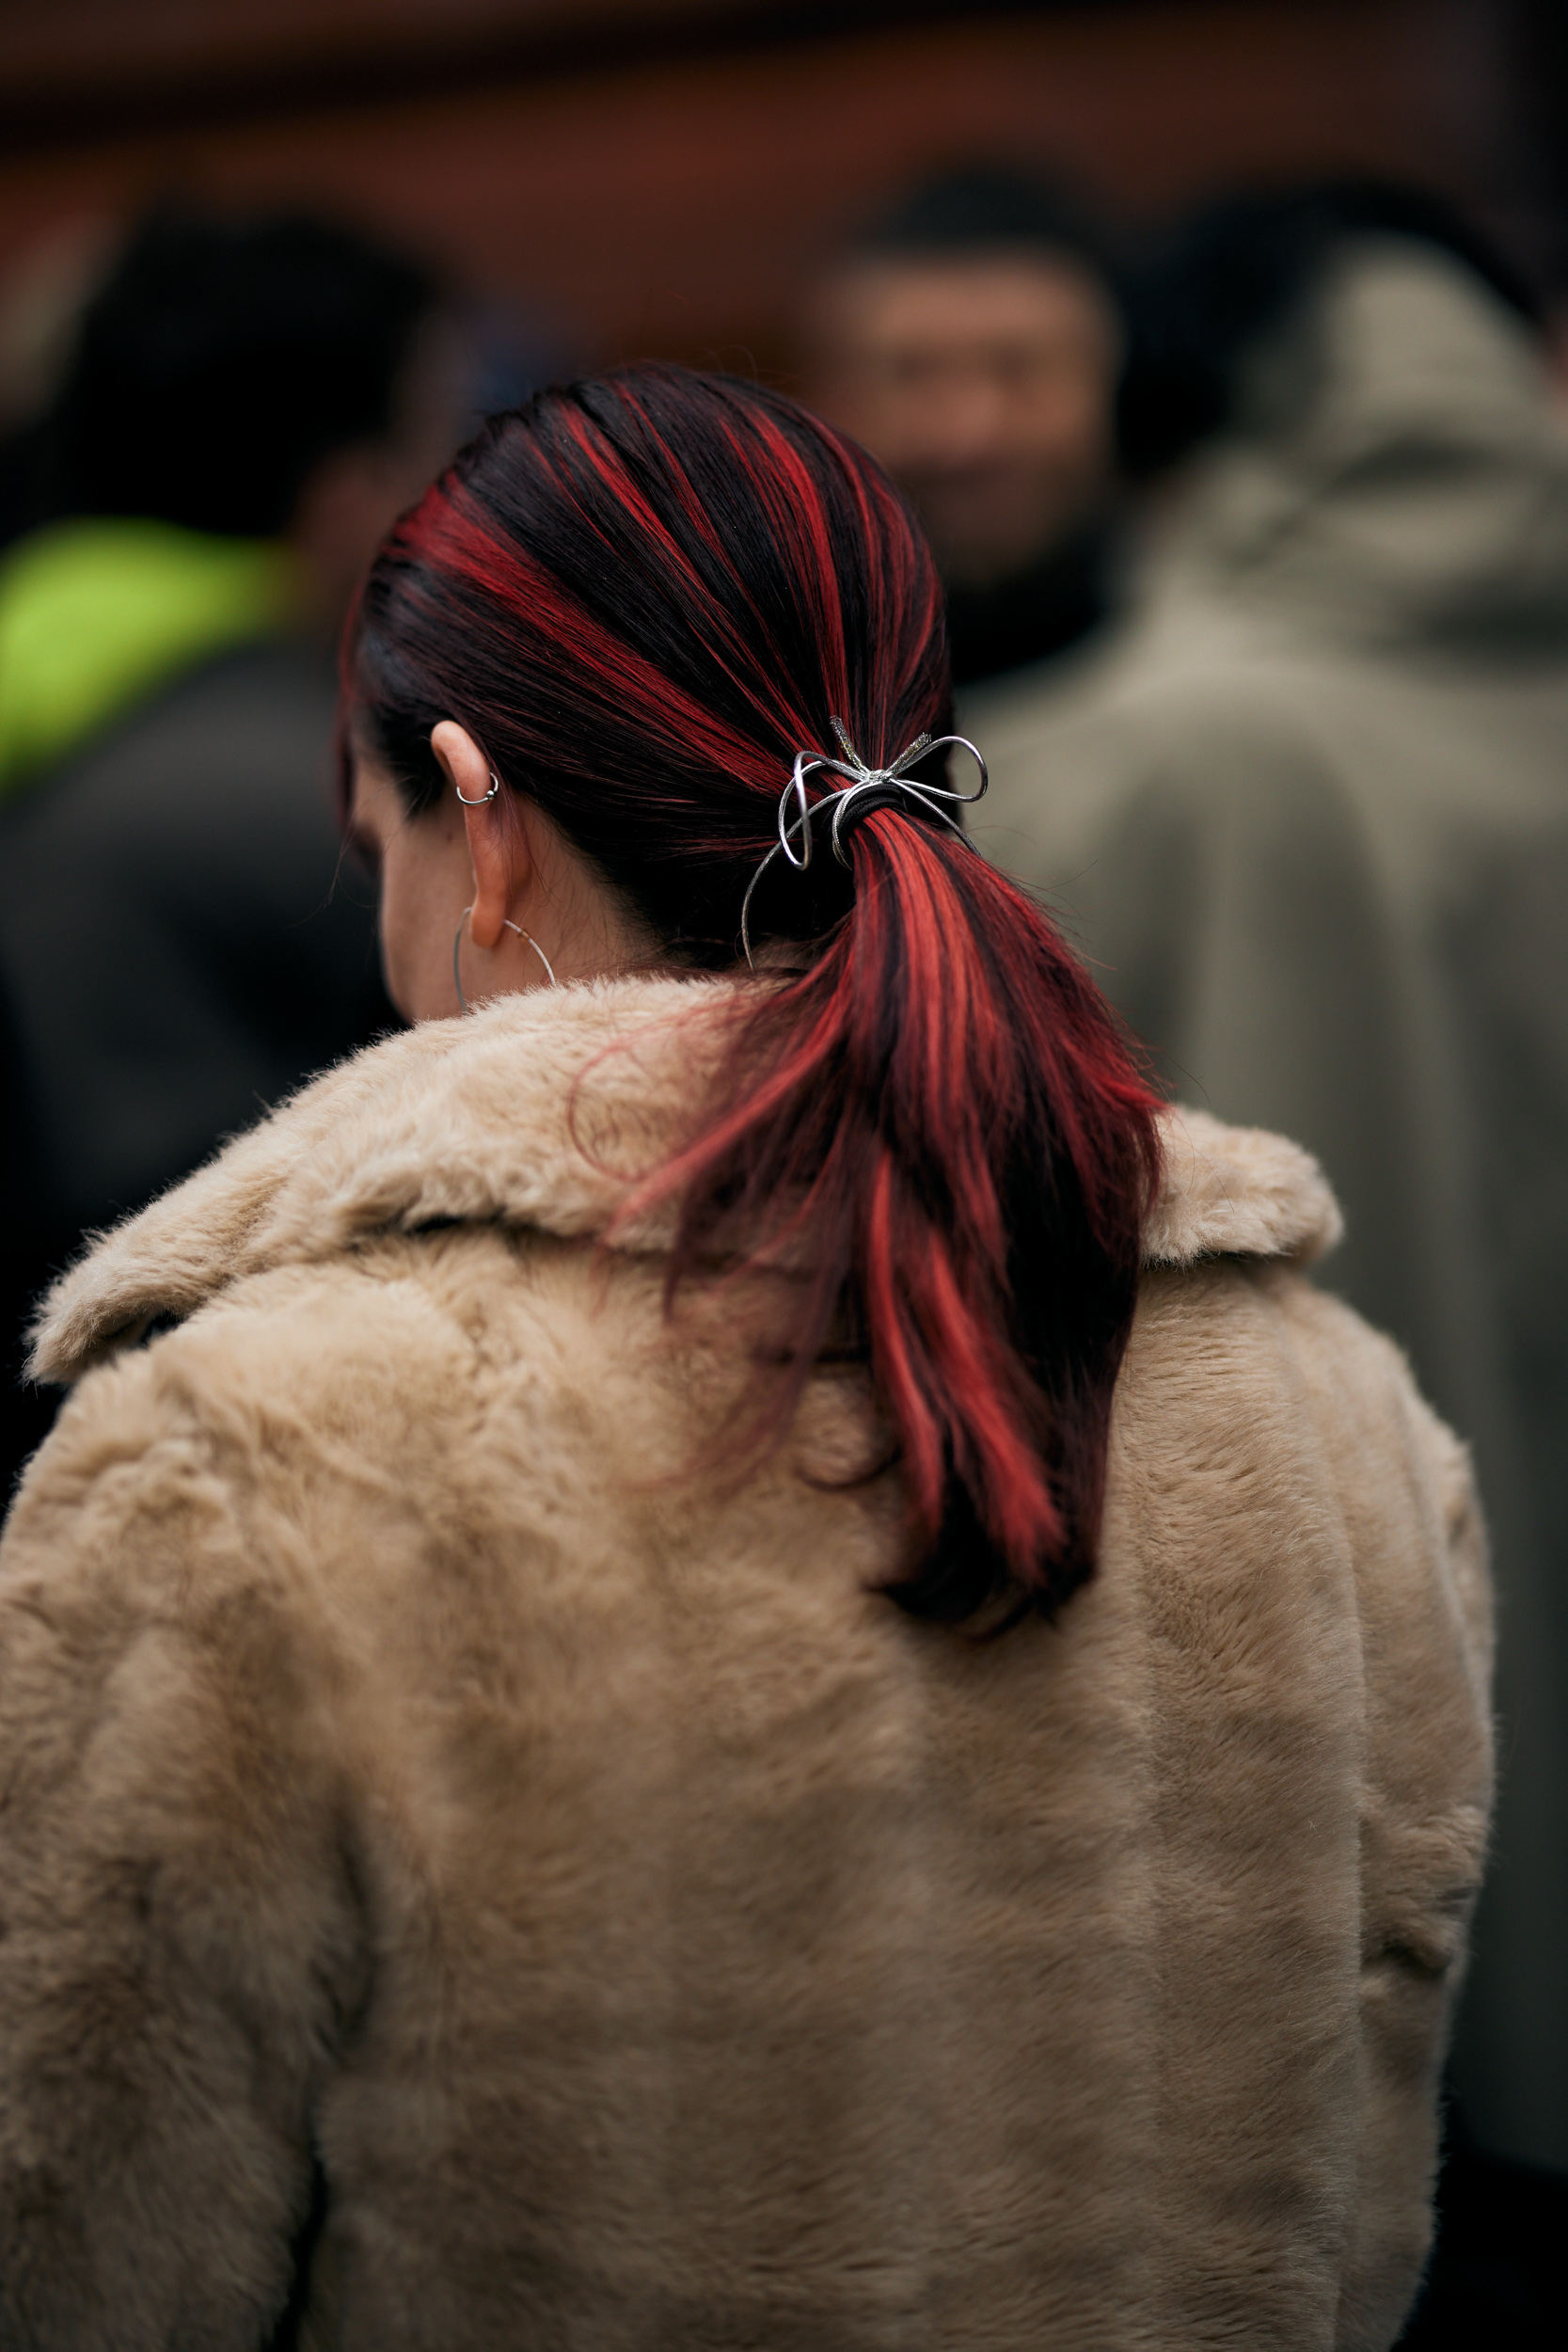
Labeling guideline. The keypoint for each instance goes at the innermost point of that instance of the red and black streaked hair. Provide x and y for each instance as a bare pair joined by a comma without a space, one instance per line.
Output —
642,595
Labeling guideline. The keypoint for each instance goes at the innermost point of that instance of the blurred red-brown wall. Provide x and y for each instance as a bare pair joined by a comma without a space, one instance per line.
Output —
659,178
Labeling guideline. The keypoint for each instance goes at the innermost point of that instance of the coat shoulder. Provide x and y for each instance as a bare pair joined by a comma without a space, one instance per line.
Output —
1237,1192
429,1386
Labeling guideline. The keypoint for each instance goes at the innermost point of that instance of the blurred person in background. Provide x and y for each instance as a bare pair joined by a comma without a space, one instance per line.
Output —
249,403
972,341
1309,811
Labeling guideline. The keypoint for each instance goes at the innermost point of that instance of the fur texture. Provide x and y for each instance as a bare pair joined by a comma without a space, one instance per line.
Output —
473,1868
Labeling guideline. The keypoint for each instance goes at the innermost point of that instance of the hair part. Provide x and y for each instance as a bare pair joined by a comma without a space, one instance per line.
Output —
643,595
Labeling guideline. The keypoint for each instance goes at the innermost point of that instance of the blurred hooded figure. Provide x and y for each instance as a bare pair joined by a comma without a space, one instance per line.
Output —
250,405
972,341
1308,814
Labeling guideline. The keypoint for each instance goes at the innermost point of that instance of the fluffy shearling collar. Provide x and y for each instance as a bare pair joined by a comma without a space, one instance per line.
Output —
540,1110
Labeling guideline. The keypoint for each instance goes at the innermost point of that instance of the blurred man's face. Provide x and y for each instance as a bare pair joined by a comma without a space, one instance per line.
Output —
983,386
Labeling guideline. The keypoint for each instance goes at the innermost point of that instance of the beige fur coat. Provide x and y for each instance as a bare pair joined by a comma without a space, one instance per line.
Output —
471,1877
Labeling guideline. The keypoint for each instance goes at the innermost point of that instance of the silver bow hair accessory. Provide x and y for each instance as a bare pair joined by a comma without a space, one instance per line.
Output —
862,790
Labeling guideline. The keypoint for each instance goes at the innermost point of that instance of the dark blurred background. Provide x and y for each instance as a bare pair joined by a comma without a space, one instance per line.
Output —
657,176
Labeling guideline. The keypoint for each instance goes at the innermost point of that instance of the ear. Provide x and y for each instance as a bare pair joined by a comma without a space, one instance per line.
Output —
498,844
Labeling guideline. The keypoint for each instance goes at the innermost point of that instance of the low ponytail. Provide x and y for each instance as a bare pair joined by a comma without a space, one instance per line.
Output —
645,596
948,1106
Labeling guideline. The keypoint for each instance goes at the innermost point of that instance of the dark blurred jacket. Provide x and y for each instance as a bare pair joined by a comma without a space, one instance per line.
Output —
178,950
1308,814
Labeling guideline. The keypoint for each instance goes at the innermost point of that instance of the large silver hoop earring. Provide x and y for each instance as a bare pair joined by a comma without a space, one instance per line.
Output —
457,951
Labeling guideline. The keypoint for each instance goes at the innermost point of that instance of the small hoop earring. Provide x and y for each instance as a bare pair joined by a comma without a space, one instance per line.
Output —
495,788
457,948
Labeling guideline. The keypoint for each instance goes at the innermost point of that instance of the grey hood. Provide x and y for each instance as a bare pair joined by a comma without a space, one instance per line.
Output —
1398,468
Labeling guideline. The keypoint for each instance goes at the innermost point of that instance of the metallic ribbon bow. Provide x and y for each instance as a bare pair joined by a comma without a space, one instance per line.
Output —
871,788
